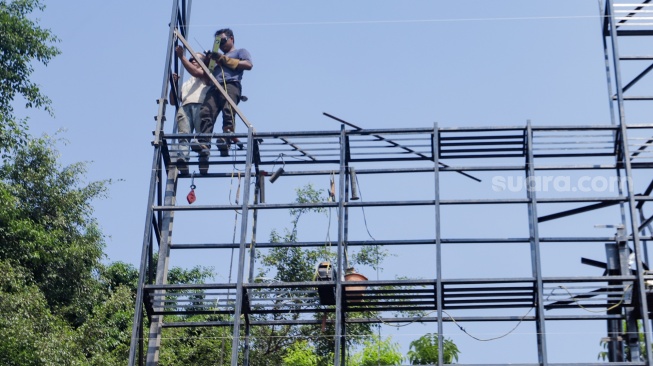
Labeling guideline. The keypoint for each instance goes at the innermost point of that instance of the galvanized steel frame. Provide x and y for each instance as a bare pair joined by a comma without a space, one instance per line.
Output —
460,143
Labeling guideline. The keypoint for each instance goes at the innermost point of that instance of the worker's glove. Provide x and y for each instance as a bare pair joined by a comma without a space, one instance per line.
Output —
229,62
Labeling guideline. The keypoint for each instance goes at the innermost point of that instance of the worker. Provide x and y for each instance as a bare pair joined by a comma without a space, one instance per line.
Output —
230,65
193,92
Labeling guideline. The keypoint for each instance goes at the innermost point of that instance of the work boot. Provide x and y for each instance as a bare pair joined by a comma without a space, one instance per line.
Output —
224,143
223,146
182,166
197,146
203,160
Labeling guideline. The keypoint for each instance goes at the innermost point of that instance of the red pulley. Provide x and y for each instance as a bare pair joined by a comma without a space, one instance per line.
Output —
191,196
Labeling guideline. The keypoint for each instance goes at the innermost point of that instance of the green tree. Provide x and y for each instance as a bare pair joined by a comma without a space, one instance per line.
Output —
117,274
47,227
23,42
205,346
424,351
105,337
378,351
294,264
300,354
29,333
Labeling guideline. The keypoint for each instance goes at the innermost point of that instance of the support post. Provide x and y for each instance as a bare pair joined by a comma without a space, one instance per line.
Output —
242,249
156,323
439,303
535,248
339,327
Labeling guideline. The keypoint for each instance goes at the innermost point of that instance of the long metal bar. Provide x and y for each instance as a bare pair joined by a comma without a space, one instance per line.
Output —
240,293
345,238
314,244
252,259
535,251
149,216
439,301
391,320
594,129
575,211
442,169
638,78
294,146
154,336
481,282
147,243
339,328
497,201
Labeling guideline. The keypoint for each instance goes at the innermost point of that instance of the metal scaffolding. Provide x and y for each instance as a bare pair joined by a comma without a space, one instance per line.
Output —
443,158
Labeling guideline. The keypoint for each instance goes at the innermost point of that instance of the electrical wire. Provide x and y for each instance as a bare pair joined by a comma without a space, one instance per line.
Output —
573,298
409,21
405,324
458,325
493,338
235,203
360,194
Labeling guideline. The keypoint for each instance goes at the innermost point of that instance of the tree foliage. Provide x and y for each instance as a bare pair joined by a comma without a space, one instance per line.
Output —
377,351
425,351
105,337
300,354
29,333
23,41
295,264
47,227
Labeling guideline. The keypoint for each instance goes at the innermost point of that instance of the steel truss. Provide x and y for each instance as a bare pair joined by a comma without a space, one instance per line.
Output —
619,297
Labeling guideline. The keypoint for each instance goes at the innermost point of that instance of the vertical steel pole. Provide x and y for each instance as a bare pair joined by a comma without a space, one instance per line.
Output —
535,248
438,241
145,256
154,343
606,57
149,216
339,328
252,257
242,250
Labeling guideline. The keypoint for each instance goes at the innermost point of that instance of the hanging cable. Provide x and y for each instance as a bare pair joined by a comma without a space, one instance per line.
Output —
360,194
493,338
231,183
233,239
574,299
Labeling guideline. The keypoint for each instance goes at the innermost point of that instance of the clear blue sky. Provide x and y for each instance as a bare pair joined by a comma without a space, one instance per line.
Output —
379,64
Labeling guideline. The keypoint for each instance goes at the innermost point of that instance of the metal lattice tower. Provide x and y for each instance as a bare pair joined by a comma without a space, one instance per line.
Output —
443,157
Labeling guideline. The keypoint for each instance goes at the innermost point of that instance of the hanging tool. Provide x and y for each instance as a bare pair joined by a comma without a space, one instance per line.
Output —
216,49
191,195
279,171
353,184
332,188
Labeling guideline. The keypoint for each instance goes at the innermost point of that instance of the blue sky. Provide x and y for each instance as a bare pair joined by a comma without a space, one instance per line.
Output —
378,64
